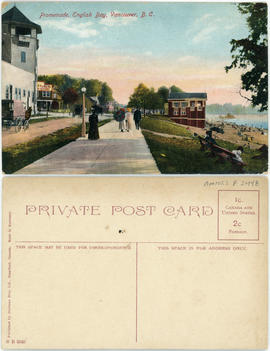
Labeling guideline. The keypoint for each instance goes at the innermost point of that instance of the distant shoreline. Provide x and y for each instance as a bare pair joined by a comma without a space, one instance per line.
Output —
228,116
240,114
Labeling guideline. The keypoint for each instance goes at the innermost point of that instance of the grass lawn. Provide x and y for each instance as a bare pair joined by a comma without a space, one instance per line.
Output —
176,156
20,155
163,126
38,120
162,117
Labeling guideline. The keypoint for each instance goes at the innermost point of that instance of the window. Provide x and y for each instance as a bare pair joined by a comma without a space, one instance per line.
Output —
20,94
33,97
175,111
192,105
23,56
7,92
25,44
16,94
199,105
24,93
184,104
175,104
46,94
11,91
23,31
54,96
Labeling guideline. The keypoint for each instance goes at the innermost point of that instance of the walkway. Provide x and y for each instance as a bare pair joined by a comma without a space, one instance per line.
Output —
113,153
165,135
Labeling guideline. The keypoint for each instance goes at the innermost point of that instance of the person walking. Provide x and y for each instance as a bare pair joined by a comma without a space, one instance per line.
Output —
93,133
128,118
137,118
121,118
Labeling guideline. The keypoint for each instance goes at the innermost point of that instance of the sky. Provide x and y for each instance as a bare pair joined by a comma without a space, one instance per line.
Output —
176,43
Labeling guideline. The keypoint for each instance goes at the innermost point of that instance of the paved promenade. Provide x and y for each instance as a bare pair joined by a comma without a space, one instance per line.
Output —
113,153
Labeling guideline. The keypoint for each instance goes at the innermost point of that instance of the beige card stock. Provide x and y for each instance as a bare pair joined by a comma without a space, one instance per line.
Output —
134,263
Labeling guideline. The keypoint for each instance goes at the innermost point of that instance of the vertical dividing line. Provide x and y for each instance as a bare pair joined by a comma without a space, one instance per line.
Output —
218,217
136,292
259,214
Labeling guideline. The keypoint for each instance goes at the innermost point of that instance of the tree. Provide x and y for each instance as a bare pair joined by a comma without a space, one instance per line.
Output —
175,89
139,98
163,93
153,100
78,83
63,82
67,83
105,94
70,96
250,54
93,87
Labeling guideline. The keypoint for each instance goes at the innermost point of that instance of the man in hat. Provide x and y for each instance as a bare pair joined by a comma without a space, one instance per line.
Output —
137,118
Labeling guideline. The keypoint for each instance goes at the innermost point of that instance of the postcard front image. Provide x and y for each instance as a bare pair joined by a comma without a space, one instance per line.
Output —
134,88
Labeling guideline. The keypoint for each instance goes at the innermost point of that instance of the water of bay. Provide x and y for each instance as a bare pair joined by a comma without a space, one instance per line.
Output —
256,121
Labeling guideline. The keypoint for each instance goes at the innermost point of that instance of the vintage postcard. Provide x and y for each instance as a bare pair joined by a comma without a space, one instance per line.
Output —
134,87
177,263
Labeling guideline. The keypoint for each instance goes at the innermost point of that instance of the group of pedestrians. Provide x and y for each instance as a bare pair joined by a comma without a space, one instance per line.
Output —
125,119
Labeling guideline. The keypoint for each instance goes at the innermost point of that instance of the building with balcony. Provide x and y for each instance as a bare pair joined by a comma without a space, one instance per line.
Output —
187,108
47,97
19,62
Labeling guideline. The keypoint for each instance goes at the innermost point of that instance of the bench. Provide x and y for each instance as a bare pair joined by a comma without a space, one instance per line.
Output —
220,152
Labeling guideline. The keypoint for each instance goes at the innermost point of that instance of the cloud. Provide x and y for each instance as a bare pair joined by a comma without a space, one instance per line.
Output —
80,46
204,18
204,34
81,30
188,59
148,53
118,18
198,23
205,26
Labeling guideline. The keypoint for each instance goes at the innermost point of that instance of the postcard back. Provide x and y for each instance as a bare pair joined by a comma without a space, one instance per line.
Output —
134,263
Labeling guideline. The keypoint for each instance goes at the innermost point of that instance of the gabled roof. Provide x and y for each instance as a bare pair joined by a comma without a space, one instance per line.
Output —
15,16
187,96
94,99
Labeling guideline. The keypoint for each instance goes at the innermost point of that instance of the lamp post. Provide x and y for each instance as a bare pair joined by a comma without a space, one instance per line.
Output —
83,115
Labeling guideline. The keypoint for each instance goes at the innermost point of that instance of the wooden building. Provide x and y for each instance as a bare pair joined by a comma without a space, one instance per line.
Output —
187,108
47,97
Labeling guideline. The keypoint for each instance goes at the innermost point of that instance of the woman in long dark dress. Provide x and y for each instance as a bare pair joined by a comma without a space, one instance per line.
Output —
93,133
